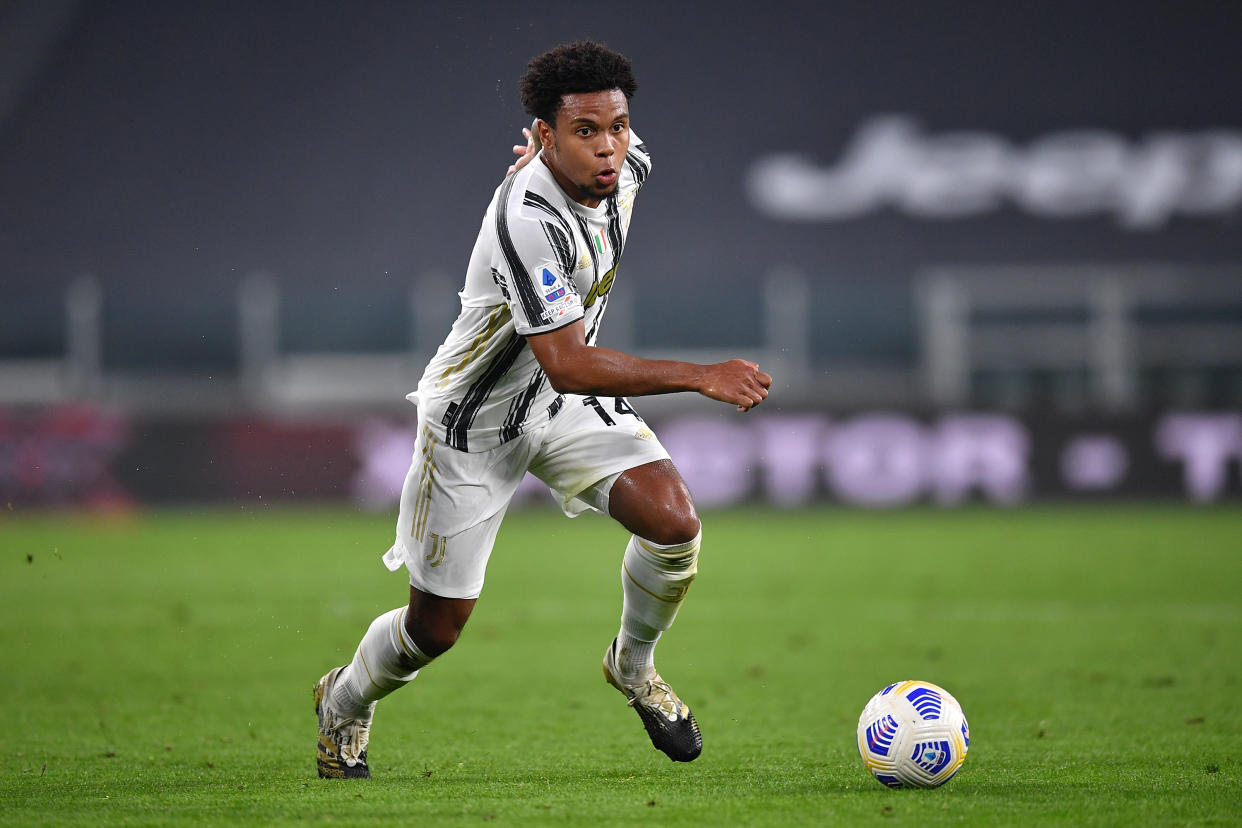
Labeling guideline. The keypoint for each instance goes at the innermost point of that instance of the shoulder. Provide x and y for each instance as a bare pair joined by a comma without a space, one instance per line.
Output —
638,158
532,224
530,197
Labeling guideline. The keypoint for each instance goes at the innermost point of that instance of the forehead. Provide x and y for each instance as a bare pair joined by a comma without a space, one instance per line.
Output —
600,107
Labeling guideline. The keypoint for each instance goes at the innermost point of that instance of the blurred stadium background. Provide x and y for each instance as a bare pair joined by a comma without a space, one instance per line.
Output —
989,255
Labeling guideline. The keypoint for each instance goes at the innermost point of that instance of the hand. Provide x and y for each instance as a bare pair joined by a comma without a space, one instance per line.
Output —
736,381
525,152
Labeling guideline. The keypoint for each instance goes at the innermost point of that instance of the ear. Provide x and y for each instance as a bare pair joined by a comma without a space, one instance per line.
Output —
543,133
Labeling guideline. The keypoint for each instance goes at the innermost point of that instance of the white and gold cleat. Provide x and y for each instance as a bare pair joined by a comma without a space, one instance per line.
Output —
667,719
342,750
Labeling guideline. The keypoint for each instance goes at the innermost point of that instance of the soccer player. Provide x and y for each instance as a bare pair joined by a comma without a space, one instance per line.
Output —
519,385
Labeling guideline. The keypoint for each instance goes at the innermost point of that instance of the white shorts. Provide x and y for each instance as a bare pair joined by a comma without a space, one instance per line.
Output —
452,502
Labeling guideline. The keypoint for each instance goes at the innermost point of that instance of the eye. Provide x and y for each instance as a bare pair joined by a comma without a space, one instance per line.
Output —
583,131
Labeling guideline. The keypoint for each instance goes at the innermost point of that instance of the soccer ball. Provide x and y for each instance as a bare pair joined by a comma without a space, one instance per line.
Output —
913,733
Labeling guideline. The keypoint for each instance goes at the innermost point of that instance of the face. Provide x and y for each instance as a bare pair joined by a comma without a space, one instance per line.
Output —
586,147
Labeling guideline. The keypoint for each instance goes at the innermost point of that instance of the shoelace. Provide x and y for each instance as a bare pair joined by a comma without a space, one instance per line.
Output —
669,705
356,733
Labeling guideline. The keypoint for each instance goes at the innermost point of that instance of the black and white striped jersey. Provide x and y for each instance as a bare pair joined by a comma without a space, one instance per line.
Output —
541,261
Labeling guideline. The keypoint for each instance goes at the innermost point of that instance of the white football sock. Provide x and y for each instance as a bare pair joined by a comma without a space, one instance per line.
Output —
635,656
386,659
654,579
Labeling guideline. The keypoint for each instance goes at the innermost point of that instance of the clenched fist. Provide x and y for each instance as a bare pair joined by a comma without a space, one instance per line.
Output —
737,381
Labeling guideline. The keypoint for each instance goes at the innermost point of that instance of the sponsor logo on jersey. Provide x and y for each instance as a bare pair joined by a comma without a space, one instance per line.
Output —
600,288
554,295
584,262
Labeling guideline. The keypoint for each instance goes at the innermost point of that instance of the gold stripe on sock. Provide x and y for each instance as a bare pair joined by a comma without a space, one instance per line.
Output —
401,638
663,552
370,678
676,600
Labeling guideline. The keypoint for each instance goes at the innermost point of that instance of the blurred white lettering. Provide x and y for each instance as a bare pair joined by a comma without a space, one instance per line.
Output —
955,174
984,451
879,460
871,460
715,458
875,459
1094,462
1204,443
789,465
383,452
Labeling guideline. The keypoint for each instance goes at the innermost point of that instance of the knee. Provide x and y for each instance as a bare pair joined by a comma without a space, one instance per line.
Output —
434,623
677,524
434,639
653,502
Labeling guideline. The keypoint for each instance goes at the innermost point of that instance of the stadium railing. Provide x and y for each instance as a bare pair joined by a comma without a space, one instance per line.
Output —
1112,337
1135,334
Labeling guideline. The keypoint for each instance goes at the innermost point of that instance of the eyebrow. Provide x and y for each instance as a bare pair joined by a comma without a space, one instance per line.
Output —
620,116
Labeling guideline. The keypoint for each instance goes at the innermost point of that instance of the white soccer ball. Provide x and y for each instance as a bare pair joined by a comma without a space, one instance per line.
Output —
913,733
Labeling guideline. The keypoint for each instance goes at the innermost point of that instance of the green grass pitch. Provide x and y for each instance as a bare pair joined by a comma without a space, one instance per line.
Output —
157,669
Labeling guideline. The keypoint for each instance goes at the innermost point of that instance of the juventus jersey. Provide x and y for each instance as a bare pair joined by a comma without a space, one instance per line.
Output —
541,261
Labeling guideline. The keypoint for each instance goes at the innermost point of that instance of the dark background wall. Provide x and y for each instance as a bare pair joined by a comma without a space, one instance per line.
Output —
172,148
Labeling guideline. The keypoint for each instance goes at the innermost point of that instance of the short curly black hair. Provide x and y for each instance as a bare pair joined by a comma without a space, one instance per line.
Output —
581,66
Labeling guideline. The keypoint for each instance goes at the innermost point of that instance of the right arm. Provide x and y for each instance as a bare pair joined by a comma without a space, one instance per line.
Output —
573,367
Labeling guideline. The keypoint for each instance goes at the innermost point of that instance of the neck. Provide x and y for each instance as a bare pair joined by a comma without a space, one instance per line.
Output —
567,186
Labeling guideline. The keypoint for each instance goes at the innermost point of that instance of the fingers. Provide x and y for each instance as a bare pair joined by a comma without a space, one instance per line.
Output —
522,149
756,390
524,152
738,382
750,398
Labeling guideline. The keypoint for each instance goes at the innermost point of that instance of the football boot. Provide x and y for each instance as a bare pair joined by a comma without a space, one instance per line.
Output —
342,751
667,719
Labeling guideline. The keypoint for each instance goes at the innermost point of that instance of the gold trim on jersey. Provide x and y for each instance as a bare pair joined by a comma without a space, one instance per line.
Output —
425,481
626,204
495,322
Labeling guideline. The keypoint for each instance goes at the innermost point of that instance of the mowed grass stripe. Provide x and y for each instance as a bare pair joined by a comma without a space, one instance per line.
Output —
159,669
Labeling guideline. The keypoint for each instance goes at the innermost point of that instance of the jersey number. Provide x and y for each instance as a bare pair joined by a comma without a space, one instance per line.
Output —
622,407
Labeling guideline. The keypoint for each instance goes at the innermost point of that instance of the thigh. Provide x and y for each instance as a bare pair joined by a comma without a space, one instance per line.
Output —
452,505
453,566
591,439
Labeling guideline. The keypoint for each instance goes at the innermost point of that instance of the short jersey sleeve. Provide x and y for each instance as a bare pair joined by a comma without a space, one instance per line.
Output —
638,159
537,253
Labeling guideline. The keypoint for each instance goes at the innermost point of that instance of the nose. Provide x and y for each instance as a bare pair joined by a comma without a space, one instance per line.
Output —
608,147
